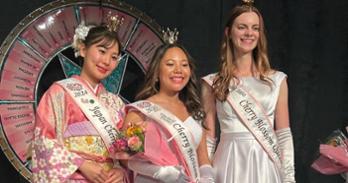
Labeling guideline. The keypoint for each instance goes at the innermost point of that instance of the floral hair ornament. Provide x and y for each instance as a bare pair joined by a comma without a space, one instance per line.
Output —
114,22
80,35
169,36
248,2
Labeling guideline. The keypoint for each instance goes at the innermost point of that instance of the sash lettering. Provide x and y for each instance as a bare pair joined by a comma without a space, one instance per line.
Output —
90,106
253,117
176,128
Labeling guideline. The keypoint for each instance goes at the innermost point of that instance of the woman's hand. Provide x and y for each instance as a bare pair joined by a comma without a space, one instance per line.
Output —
115,175
171,174
93,172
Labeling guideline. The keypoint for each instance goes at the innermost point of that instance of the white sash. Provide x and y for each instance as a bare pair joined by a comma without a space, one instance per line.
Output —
90,106
252,115
176,128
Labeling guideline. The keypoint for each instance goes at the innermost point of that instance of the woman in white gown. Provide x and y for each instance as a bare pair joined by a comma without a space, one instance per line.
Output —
250,100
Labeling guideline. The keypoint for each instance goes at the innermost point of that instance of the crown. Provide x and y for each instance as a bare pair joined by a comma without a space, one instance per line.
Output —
114,22
169,36
248,2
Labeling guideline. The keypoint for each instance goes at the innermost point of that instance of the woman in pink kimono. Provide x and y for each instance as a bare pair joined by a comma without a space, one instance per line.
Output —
77,118
169,108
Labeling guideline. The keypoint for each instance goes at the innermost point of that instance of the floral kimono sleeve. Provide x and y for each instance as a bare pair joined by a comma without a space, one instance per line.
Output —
115,106
51,160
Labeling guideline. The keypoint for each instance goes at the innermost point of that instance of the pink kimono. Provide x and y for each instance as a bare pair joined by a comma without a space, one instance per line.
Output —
65,138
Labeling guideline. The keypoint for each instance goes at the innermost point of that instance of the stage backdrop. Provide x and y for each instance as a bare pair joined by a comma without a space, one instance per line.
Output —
308,40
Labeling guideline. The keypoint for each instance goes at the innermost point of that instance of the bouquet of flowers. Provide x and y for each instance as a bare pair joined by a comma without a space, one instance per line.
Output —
333,157
128,142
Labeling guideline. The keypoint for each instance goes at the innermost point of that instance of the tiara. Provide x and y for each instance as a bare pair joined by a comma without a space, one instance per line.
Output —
114,22
169,36
248,2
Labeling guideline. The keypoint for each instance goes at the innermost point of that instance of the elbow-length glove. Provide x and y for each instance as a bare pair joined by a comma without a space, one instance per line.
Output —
287,149
168,174
207,174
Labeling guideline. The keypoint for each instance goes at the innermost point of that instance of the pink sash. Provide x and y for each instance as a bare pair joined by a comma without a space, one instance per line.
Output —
179,133
253,117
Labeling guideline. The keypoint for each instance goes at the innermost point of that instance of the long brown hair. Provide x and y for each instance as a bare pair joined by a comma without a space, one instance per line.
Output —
189,94
227,63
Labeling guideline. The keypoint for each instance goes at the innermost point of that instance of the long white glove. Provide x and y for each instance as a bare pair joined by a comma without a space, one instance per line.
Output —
168,174
287,149
207,174
211,144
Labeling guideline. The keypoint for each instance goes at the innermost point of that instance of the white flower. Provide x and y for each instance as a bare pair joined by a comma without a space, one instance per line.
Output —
42,163
80,35
37,132
64,172
48,143
54,160
42,175
53,173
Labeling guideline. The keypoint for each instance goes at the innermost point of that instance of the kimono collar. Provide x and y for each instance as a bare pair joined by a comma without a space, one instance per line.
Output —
95,89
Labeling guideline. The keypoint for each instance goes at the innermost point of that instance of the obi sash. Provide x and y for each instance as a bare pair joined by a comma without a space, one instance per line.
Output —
177,130
252,114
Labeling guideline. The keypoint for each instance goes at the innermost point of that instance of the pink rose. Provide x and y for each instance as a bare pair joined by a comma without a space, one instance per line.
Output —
120,145
134,143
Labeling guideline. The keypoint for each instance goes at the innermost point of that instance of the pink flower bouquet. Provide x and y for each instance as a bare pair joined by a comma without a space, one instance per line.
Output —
333,157
128,142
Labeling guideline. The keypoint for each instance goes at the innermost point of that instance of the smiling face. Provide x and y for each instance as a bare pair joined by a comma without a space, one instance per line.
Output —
174,70
245,32
99,61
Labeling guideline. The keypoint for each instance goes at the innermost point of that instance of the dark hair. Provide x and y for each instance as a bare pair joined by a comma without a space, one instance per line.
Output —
102,33
189,94
227,63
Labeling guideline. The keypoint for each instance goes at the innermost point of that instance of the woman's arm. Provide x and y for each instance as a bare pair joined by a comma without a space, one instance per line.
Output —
202,151
134,117
282,109
207,174
208,102
51,160
284,134
207,145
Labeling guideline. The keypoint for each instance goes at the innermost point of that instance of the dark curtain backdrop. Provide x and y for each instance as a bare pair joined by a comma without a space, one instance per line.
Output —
308,40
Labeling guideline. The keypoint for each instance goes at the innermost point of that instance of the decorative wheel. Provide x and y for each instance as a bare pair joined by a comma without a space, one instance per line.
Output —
37,52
